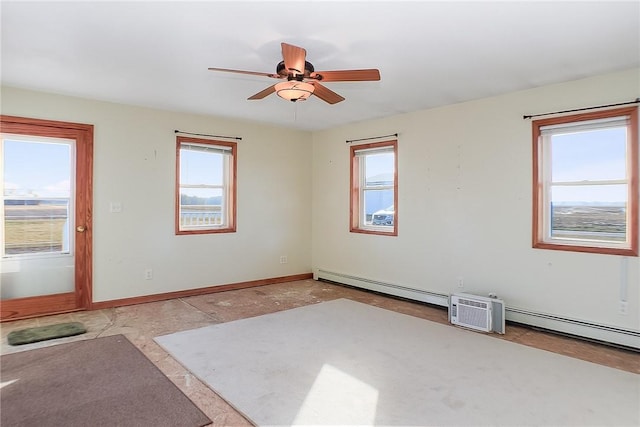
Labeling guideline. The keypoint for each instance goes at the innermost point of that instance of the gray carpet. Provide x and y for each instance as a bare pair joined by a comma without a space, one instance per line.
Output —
97,382
347,363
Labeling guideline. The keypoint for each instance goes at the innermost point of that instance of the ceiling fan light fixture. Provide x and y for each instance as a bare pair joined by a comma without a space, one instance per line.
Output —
294,90
296,70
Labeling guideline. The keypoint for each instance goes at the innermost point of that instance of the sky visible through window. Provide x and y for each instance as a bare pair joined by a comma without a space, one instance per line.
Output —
197,167
36,169
596,155
379,164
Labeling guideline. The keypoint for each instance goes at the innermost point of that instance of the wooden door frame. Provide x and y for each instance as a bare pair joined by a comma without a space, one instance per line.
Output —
81,298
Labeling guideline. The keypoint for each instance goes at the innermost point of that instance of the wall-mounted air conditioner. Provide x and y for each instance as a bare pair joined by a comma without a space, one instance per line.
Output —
476,312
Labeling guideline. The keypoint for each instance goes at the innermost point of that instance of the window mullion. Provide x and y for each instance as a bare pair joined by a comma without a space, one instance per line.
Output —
214,186
379,187
589,182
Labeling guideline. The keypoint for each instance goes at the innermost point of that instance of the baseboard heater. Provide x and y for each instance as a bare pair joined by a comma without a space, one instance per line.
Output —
608,334
387,288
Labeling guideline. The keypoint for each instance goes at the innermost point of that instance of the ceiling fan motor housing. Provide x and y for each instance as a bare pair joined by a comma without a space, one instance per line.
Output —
281,70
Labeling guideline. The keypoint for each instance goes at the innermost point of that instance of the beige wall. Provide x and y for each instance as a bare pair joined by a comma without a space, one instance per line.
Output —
464,203
464,179
134,164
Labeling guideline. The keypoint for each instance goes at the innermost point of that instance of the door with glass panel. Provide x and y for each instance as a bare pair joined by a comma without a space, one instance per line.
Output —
46,171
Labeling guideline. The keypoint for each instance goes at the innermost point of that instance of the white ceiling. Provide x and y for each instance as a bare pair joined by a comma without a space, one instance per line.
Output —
156,53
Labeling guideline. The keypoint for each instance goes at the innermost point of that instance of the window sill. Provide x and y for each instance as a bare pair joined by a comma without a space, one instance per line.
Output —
588,249
375,231
206,231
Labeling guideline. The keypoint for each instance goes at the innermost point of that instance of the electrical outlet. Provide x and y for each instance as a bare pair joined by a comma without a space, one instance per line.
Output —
460,282
148,274
624,306
283,259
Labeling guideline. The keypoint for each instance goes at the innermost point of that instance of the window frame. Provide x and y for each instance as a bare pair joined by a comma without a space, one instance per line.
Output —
230,195
540,237
355,205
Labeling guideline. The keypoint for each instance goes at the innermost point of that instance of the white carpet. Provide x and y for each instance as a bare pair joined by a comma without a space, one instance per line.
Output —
348,363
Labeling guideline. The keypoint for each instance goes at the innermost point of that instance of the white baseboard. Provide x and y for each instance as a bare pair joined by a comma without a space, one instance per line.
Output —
387,288
624,337
581,328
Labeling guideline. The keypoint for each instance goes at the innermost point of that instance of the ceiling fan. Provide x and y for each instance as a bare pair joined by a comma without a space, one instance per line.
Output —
301,79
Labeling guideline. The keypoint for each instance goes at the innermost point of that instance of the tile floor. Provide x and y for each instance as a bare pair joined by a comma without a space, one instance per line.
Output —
141,323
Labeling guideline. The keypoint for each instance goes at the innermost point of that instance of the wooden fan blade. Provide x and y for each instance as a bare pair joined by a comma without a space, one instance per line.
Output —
294,58
253,73
264,93
326,94
371,74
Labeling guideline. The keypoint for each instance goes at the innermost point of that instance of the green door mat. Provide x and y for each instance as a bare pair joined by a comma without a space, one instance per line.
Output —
42,333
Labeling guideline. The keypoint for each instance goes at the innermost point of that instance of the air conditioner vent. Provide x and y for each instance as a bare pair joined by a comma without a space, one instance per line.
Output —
472,303
478,313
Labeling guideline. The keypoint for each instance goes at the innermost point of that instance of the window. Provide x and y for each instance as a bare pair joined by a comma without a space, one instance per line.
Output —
39,203
374,188
585,195
205,186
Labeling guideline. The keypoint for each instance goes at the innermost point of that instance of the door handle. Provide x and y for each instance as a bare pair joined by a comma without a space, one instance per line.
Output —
81,228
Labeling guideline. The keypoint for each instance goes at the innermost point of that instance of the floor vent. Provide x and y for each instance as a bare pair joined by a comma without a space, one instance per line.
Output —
478,313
